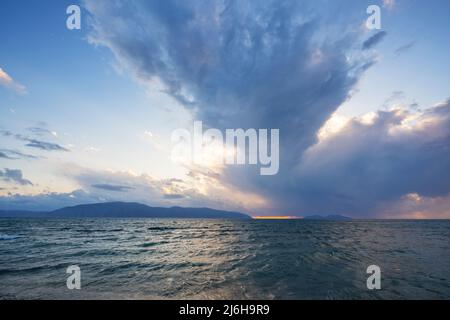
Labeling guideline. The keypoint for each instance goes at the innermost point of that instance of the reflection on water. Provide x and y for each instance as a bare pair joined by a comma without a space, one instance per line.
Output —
223,259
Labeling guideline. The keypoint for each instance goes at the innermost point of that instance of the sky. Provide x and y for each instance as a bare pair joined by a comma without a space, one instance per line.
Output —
87,115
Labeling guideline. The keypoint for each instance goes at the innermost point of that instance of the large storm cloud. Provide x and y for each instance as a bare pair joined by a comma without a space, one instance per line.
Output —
276,64
369,163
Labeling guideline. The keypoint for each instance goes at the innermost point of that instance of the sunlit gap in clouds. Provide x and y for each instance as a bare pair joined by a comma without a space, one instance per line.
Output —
277,218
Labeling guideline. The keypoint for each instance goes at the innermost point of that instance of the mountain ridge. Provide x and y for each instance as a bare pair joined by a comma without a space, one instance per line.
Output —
125,210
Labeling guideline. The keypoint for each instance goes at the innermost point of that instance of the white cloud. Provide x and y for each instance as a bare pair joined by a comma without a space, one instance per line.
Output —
415,206
386,164
389,4
149,134
7,81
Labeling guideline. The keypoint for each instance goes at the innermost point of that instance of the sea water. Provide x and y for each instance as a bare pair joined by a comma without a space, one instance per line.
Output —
223,259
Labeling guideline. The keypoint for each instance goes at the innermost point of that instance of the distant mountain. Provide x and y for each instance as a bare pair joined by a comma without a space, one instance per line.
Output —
333,217
126,210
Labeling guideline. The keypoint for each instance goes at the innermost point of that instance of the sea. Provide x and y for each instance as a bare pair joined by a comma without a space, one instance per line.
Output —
223,259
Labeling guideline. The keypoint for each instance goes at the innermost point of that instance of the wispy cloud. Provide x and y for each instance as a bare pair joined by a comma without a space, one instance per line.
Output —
394,97
41,131
404,48
14,155
43,145
6,133
374,40
14,176
7,81
35,143
112,187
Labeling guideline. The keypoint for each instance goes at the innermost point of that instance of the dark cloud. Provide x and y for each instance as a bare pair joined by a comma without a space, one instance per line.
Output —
14,155
259,64
111,187
156,192
173,196
374,40
271,64
35,143
14,176
43,145
146,190
5,156
47,201
366,164
252,64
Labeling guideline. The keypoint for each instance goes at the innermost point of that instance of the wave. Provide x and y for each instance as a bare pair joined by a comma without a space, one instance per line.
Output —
161,228
9,237
98,230
152,244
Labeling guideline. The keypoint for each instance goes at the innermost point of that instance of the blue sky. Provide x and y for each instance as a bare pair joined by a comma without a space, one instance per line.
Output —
360,129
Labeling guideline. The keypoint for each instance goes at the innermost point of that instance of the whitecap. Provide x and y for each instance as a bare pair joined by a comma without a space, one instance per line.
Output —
8,237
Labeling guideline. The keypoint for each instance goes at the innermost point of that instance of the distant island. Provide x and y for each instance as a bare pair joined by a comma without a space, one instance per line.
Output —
333,217
126,210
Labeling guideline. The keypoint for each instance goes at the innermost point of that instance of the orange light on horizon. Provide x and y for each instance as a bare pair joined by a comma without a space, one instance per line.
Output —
277,218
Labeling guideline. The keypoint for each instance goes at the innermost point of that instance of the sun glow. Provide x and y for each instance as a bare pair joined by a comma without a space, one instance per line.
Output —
276,218
333,125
